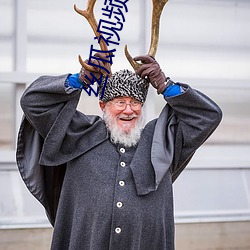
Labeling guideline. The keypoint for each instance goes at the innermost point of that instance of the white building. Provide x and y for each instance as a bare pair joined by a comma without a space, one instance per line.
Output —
205,43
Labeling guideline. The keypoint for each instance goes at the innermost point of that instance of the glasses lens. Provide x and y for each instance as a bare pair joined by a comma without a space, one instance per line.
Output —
135,105
120,105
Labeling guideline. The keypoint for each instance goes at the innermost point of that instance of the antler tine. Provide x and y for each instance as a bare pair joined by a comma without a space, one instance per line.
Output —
135,65
88,13
158,6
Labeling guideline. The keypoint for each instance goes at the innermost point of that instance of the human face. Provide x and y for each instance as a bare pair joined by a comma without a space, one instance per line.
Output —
125,119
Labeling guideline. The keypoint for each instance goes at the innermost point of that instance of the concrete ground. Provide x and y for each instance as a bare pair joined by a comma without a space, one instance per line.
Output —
193,236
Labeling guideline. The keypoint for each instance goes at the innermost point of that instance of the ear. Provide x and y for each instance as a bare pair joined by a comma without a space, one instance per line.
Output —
102,105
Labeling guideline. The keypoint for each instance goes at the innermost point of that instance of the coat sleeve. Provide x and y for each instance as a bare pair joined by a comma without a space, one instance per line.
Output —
44,99
67,133
197,117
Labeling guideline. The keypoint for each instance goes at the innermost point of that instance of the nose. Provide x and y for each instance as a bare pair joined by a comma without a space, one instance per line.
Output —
128,110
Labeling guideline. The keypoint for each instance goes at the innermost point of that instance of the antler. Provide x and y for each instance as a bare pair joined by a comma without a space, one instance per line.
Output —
88,13
158,6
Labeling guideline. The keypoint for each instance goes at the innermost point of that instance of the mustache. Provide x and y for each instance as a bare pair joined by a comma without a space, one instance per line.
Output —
122,116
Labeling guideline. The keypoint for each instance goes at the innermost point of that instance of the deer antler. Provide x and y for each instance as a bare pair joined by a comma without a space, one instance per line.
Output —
158,6
88,13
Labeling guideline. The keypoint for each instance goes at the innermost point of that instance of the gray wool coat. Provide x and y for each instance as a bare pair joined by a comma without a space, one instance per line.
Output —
99,195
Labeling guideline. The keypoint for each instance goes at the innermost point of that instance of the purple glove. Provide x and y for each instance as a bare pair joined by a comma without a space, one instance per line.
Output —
97,73
151,69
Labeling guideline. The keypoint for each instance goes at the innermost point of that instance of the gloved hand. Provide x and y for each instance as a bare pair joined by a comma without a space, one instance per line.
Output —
151,69
97,73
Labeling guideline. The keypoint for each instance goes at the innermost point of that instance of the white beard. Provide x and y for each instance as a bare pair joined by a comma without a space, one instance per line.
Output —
127,139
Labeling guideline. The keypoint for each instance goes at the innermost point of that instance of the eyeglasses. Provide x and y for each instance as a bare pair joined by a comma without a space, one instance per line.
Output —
121,105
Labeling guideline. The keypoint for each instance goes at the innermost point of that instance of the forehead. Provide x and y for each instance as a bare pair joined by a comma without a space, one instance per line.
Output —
124,98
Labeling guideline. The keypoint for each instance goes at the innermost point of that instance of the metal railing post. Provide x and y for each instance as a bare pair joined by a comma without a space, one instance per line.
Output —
20,55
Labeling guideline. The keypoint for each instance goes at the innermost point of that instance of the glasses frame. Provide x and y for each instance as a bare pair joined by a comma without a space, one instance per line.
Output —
134,108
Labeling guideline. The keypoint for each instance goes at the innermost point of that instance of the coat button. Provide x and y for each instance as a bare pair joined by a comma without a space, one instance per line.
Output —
123,164
122,150
118,230
121,183
119,204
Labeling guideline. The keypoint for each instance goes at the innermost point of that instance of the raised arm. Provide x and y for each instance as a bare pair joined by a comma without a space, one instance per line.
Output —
44,99
197,116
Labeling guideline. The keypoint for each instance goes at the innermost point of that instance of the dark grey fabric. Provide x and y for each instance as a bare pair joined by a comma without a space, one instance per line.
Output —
82,194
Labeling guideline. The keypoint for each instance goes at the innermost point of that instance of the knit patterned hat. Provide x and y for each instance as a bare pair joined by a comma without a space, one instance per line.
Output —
125,83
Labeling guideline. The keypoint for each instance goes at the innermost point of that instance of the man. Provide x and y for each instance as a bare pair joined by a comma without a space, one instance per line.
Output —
107,183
